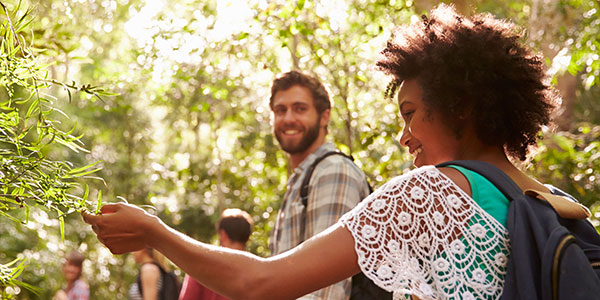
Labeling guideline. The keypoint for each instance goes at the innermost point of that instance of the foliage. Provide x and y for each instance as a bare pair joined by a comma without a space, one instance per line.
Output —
570,161
8,274
189,132
28,127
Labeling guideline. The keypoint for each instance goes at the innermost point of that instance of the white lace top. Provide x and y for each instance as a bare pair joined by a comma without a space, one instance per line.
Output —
421,234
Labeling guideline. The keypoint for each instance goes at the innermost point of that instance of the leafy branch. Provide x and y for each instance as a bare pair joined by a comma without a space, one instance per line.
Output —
28,131
84,88
8,277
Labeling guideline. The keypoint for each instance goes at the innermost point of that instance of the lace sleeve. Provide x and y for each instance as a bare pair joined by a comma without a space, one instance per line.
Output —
421,234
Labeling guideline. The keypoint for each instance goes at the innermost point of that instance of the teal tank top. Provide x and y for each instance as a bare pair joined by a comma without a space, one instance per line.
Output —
486,195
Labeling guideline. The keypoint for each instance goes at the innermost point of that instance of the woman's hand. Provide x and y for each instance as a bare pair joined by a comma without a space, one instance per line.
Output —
122,227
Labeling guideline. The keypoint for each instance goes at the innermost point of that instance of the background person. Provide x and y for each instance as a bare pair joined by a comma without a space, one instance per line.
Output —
150,280
234,228
76,288
467,90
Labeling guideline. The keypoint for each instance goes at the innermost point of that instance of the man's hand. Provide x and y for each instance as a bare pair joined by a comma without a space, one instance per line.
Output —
121,227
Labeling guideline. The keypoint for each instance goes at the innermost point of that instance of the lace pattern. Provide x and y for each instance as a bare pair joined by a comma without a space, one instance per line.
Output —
421,234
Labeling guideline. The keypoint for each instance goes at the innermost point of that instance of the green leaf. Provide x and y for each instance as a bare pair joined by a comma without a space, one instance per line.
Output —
564,143
300,4
85,196
81,171
23,25
242,36
33,108
2,213
284,33
61,220
99,203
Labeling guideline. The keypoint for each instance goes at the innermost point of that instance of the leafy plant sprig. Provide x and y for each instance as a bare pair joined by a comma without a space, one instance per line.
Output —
8,277
28,129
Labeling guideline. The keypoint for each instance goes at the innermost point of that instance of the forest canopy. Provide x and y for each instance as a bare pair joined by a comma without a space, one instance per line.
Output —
165,104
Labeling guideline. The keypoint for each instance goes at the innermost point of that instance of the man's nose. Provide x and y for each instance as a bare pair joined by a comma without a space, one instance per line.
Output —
289,115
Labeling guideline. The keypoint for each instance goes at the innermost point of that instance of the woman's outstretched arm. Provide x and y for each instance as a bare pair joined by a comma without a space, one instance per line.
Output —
320,261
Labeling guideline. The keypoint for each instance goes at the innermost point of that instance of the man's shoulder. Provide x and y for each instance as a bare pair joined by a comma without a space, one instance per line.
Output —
338,166
338,158
329,163
316,156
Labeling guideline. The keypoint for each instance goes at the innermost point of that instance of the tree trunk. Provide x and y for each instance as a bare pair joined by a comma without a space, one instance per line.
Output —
567,86
543,12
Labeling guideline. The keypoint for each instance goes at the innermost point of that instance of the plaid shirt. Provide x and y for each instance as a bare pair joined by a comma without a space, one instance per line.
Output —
336,186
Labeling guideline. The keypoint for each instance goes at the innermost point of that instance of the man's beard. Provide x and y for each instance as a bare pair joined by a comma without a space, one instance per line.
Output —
307,140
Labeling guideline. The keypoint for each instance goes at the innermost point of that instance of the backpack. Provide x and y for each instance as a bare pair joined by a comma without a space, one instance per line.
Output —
170,288
362,287
554,250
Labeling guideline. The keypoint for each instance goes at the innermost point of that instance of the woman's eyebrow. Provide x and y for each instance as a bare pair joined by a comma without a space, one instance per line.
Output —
404,103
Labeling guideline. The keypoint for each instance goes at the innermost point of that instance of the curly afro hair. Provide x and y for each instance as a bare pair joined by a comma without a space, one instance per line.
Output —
475,69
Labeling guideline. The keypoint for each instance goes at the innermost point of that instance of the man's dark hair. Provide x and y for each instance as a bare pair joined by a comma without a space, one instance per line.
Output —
474,69
237,224
293,78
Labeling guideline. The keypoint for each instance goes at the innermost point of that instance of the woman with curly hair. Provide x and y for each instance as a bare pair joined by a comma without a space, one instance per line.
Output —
467,90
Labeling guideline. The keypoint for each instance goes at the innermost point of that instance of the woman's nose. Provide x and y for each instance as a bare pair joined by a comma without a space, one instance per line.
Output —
404,136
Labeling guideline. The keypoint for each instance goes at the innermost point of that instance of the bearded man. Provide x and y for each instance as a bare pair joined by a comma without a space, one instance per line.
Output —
301,109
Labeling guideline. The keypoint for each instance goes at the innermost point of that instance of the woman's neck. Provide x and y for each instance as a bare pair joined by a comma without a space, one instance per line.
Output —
70,284
146,260
497,157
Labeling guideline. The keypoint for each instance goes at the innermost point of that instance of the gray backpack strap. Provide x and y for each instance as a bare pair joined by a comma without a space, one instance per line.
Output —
311,169
305,184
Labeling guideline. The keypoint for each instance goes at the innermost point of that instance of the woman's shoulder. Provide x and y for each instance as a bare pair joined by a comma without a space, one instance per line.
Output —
150,268
421,174
432,175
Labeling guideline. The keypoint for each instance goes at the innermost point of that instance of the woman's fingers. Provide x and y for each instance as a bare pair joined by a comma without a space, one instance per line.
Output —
89,218
123,243
93,219
119,227
111,207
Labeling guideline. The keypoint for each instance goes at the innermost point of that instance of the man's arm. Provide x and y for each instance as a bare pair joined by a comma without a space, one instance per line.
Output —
318,262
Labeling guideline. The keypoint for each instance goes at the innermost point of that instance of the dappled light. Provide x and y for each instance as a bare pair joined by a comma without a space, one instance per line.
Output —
165,103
